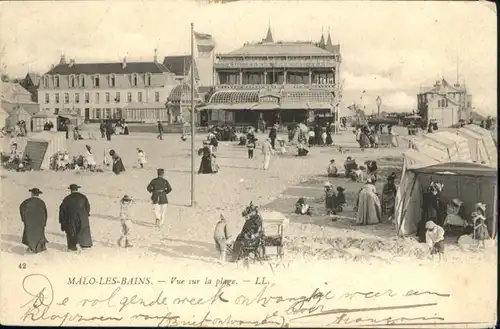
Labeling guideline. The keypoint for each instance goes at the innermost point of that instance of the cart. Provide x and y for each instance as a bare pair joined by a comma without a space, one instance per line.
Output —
273,224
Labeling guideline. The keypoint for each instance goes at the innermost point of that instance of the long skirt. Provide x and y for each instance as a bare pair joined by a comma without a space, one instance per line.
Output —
205,166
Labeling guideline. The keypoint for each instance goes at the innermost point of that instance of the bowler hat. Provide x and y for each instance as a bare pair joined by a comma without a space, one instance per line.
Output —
35,190
74,187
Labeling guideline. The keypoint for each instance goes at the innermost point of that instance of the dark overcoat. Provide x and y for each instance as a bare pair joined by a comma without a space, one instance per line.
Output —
74,213
34,216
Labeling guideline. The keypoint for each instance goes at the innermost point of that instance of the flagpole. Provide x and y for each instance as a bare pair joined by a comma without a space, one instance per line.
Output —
193,128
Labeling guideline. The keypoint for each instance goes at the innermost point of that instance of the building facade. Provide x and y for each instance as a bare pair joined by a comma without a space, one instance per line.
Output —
134,91
275,81
31,83
445,103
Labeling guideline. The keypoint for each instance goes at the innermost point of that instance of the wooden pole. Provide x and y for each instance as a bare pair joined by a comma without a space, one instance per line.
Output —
193,128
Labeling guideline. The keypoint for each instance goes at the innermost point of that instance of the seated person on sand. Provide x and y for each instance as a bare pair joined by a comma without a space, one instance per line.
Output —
434,237
350,165
302,208
359,175
251,233
455,215
331,170
301,150
222,238
282,146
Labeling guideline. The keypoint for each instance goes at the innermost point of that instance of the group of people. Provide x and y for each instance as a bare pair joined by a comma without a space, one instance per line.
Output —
107,128
74,216
368,137
15,161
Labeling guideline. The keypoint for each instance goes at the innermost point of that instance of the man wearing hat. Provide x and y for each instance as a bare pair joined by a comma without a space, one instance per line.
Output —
74,213
273,133
34,216
431,208
159,188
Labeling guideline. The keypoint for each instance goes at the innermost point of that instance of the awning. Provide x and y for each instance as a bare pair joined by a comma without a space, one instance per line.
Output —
294,106
266,107
319,106
240,106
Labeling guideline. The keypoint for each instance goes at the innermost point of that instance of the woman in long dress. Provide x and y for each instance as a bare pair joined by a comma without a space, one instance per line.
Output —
118,166
250,234
368,205
389,196
207,165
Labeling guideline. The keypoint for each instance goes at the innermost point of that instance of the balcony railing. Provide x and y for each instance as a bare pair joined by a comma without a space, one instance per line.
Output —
278,86
275,63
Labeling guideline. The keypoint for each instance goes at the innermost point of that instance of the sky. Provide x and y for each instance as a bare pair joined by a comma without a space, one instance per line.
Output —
389,49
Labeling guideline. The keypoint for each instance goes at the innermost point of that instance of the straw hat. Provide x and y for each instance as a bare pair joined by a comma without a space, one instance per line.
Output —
328,184
457,202
481,206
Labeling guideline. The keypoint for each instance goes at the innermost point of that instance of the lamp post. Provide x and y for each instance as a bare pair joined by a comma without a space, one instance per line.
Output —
379,102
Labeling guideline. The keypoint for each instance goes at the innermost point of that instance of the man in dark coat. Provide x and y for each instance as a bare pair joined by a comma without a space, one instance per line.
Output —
34,216
159,187
74,213
273,133
160,131
118,166
102,128
109,130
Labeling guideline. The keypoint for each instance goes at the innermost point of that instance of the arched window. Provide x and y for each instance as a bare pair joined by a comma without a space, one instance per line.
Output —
96,80
72,81
56,81
134,79
82,80
147,79
112,80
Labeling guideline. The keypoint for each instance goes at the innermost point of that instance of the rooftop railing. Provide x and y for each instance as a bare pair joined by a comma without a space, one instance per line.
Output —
230,64
276,86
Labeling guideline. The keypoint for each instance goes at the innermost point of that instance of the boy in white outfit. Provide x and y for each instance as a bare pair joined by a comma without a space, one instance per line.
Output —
126,220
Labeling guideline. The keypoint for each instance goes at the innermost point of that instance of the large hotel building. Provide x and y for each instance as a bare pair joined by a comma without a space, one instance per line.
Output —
283,81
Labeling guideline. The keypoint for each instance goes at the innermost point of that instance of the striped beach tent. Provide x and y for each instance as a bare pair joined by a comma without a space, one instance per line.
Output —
488,142
444,143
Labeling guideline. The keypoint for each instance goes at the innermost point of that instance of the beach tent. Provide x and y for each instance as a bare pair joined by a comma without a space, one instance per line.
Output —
43,146
3,118
461,144
19,114
470,182
488,142
476,146
430,148
444,143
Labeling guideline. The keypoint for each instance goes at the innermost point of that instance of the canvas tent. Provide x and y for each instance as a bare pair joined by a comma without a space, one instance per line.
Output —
456,146
488,143
476,146
43,146
19,114
3,118
430,148
470,182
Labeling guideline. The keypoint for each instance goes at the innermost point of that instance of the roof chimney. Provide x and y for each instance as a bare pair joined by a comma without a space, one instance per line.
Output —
124,63
155,58
62,61
71,62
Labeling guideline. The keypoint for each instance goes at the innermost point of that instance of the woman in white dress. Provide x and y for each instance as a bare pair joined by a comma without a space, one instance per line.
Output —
89,158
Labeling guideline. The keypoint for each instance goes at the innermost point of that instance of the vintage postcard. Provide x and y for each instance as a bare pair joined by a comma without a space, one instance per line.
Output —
248,164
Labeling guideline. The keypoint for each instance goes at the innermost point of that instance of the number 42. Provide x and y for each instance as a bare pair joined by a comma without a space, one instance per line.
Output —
22,266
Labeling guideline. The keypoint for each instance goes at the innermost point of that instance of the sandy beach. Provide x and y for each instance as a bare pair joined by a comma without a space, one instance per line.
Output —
185,242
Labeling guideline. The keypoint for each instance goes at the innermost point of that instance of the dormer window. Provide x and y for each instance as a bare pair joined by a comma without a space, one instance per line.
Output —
96,80
112,80
56,81
72,81
46,82
134,80
147,78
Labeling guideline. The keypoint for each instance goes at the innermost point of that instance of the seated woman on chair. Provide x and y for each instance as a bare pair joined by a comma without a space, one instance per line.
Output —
251,234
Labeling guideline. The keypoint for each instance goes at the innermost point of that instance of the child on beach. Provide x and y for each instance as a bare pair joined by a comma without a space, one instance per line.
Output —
222,238
250,147
141,157
126,220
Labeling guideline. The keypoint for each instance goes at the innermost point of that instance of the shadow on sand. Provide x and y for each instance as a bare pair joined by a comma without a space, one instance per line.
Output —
12,244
